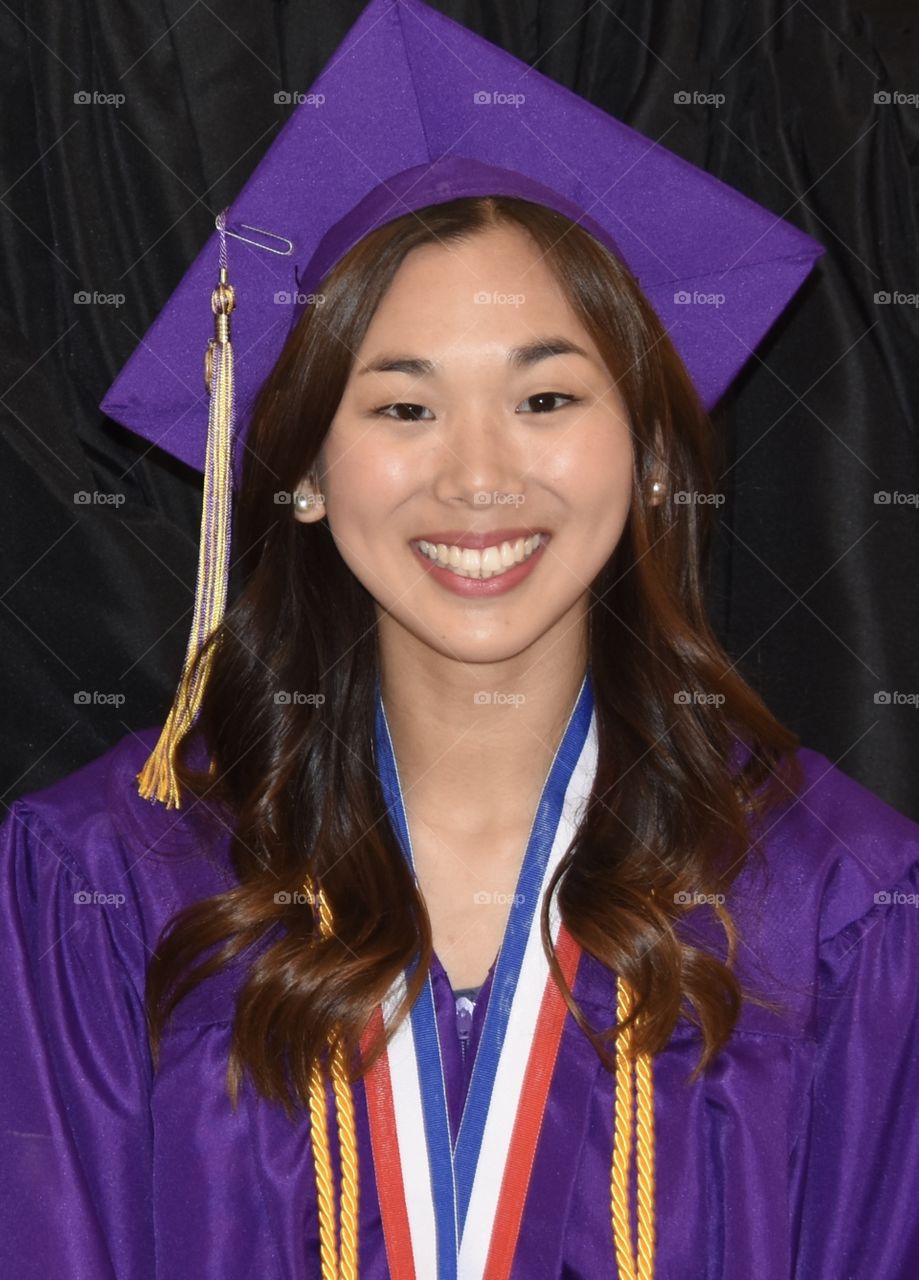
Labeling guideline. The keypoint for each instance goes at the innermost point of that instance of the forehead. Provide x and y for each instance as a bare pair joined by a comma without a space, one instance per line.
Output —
495,284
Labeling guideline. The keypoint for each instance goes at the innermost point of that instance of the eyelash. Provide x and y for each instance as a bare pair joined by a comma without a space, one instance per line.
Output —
558,395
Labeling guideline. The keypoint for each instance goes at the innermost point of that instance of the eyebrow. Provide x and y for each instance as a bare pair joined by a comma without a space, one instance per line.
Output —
517,358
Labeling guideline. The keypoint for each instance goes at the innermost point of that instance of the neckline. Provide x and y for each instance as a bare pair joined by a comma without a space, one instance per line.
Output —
439,973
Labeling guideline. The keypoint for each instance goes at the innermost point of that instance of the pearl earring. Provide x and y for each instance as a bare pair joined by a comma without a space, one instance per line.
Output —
658,488
303,501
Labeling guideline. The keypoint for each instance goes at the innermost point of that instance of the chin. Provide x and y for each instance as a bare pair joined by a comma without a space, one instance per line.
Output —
488,648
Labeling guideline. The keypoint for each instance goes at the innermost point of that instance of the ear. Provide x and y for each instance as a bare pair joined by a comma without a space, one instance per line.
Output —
308,503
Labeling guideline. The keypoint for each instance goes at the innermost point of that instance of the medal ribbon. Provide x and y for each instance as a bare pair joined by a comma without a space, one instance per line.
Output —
439,1202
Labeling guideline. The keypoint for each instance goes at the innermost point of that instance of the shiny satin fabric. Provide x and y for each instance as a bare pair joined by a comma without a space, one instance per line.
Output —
797,1155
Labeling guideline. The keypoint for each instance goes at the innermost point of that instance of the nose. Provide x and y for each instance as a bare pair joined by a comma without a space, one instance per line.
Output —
478,457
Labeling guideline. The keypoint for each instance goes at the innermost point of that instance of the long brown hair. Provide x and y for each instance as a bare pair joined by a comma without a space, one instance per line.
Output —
689,756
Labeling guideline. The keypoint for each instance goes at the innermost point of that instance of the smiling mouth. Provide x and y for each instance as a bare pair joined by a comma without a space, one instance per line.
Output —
489,562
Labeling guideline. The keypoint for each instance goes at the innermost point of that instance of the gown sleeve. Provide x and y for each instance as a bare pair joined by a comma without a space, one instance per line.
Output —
76,1144
857,1169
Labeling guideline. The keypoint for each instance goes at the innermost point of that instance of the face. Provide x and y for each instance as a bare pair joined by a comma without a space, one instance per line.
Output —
477,475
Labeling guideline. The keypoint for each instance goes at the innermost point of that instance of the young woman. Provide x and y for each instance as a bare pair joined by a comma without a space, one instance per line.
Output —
502,931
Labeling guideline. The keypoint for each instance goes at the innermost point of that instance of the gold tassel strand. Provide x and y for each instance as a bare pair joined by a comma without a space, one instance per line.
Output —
325,1181
622,1146
345,1266
157,780
644,1083
347,1138
622,1152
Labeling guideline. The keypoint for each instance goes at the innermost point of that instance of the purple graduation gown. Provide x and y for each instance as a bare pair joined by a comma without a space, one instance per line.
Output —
797,1155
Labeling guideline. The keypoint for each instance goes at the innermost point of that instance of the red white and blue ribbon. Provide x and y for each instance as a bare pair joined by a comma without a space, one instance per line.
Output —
440,1201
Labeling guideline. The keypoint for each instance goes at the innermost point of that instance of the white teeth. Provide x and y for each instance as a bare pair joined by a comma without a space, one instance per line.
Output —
490,562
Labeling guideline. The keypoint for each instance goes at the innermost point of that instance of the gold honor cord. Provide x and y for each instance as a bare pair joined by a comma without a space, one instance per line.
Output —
622,1151
334,1267
345,1268
157,780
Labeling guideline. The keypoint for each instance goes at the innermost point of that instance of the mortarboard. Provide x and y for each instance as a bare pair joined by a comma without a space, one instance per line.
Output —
413,109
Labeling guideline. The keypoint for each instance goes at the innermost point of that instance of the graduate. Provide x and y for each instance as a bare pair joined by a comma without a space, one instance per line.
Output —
468,916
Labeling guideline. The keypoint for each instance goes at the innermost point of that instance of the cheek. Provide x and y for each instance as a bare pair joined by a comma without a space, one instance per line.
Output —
592,469
363,477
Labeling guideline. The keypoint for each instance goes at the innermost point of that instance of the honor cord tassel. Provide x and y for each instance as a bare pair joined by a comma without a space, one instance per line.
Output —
626,1263
336,1264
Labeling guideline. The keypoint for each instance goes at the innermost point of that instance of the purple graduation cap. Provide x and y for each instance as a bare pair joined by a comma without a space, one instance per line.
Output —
413,109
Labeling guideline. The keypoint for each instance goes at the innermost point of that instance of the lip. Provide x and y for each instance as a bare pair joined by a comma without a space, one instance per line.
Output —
478,587
478,541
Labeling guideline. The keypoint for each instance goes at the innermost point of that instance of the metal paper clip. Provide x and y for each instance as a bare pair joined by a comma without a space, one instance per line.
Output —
283,253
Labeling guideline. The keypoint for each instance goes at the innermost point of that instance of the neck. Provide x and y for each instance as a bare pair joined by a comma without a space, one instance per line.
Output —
476,765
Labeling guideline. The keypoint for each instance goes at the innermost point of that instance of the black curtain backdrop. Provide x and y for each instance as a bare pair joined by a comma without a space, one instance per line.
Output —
813,581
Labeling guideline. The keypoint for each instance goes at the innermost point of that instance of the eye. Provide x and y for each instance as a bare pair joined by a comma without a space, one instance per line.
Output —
551,395
384,411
